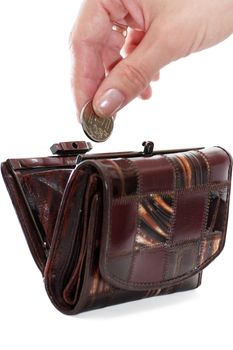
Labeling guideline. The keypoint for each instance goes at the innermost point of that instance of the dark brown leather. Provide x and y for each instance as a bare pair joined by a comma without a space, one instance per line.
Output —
121,226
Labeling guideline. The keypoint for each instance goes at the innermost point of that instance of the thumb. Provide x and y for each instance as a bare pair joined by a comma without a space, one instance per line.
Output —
131,75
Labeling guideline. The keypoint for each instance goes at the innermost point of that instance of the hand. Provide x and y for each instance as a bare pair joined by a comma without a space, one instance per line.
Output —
161,31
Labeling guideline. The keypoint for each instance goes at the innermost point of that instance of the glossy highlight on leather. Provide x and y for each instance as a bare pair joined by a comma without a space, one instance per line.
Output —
155,215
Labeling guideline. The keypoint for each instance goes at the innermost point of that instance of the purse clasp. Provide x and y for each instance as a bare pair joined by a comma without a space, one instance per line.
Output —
148,148
72,148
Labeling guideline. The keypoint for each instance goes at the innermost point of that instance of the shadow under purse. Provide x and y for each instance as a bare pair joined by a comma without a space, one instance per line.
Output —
115,227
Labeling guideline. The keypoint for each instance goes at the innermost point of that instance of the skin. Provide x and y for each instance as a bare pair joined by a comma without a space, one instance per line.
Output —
160,31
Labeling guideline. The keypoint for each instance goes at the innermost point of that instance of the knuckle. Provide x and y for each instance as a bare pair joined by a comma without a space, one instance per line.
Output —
72,42
134,77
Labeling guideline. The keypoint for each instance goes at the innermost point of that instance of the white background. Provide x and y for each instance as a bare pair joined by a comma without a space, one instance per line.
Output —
192,106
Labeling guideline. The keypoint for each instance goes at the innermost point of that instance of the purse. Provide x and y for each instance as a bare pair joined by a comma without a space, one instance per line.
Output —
110,228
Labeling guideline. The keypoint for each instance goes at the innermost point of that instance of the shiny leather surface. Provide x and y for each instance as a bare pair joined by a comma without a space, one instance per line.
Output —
108,231
177,235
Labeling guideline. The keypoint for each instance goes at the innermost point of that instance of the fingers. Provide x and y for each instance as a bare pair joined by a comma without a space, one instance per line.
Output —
133,40
88,68
130,77
94,49
156,76
146,93
99,72
111,51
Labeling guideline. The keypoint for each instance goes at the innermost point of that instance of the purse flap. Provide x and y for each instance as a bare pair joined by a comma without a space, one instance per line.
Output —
164,217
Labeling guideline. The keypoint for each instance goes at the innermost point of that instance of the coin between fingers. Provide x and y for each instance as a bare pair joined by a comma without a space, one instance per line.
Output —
97,128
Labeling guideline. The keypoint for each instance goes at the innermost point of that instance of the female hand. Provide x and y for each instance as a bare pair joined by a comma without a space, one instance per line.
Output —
160,31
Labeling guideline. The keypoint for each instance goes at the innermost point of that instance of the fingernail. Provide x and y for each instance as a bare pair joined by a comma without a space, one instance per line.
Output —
110,102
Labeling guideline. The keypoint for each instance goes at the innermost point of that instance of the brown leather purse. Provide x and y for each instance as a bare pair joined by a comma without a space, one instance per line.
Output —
114,227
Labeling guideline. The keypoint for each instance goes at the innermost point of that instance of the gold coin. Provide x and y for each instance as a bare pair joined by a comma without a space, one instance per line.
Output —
97,128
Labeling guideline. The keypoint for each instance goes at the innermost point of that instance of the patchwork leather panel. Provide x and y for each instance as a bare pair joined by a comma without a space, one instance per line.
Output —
191,169
155,213
190,215
218,162
126,228
182,258
123,177
154,174
148,265
101,293
174,233
122,237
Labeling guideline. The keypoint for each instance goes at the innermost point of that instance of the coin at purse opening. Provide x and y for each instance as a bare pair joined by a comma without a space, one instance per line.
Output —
97,128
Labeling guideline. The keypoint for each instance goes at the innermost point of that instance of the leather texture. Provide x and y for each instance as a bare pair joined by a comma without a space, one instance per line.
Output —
112,229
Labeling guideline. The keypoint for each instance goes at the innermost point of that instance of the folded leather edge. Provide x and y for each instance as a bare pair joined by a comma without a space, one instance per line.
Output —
24,215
